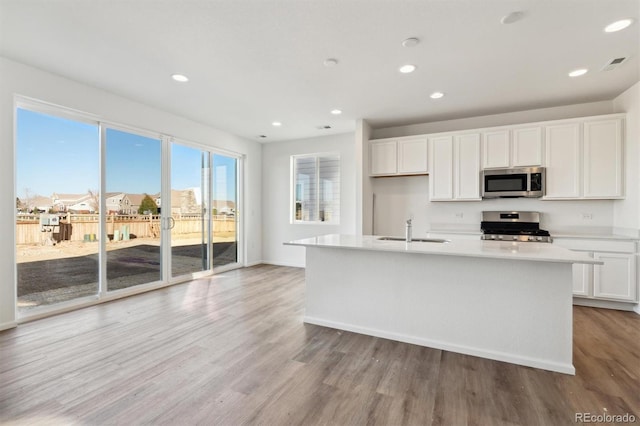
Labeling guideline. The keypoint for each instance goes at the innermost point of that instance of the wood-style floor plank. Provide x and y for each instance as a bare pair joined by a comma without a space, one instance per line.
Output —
232,349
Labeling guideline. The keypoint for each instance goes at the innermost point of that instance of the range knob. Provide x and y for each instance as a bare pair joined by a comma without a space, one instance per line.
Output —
539,238
493,237
533,238
499,237
515,238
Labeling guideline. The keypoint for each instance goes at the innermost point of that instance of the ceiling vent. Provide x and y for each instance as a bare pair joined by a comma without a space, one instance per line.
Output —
613,63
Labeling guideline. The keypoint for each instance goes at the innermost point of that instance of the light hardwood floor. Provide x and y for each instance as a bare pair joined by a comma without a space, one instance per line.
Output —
232,349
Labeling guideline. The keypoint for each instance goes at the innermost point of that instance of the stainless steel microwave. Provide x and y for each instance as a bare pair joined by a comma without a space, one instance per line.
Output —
513,182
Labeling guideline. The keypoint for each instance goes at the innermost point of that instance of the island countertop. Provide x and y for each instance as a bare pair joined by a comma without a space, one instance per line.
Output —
530,251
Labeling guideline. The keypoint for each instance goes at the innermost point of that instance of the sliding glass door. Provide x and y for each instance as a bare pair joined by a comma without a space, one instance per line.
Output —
57,181
102,209
225,210
189,210
133,172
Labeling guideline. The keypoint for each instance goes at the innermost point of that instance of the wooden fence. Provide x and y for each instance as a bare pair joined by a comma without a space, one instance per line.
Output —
76,227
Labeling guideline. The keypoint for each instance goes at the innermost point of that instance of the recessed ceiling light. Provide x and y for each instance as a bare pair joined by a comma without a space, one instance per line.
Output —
578,72
436,95
336,112
406,69
410,42
512,17
276,124
331,62
618,25
180,77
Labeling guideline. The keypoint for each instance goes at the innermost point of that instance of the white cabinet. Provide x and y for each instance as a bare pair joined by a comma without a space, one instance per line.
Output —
515,147
526,146
455,167
562,160
584,159
582,279
403,156
412,156
603,158
384,157
615,280
441,177
466,156
495,148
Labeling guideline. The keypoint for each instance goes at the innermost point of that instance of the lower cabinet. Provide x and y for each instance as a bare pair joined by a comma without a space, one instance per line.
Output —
616,280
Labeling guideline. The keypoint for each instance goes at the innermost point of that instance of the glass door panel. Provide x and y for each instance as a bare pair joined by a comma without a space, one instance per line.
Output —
132,219
190,223
224,203
57,181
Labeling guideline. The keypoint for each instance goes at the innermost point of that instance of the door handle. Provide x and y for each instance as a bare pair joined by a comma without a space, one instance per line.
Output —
172,222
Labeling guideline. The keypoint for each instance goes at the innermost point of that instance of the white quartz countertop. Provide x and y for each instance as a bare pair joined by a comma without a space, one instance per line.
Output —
536,252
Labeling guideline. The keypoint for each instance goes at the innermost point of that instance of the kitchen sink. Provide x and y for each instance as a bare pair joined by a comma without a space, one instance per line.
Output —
415,240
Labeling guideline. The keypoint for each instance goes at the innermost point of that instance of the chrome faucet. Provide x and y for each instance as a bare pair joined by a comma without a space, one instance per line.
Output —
408,231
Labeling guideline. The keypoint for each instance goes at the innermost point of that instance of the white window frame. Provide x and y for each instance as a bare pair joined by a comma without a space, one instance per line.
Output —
293,184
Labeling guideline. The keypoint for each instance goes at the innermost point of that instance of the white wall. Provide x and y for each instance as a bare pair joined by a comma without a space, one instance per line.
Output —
542,114
18,79
276,203
627,211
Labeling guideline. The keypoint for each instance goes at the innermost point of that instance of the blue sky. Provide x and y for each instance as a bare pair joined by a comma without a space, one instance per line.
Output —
59,155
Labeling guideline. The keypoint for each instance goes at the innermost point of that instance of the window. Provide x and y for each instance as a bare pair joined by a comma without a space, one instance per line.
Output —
315,188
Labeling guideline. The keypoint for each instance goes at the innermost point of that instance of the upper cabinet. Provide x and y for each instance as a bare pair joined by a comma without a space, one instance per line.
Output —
584,159
496,149
455,167
512,147
603,158
562,160
397,157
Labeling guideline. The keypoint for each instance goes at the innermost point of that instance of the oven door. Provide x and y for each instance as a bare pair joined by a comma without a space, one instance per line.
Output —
500,184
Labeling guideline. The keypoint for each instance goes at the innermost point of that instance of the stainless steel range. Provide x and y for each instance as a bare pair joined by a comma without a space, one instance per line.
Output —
513,226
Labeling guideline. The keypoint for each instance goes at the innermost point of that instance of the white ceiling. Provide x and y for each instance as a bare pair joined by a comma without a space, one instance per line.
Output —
252,62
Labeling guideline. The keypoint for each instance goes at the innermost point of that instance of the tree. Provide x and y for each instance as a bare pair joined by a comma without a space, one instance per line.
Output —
148,205
94,199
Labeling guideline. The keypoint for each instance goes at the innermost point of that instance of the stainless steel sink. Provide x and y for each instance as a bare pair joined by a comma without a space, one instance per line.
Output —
415,240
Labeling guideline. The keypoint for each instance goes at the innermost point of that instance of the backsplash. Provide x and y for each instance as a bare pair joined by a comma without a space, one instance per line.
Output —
398,198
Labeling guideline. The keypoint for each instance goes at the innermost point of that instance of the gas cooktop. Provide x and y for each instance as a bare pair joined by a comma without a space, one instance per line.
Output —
513,226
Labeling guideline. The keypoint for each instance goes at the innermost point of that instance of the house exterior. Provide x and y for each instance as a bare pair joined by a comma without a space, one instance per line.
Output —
113,202
85,203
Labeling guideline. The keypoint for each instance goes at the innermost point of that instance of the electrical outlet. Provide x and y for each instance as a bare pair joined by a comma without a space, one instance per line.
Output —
587,216
459,215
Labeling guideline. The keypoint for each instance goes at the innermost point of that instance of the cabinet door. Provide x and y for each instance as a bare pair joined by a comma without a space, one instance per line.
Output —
412,156
441,168
616,279
495,148
582,277
384,158
562,160
467,167
603,159
527,147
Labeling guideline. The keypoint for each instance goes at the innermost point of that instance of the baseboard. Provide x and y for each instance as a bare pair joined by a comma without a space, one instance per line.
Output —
8,325
606,304
277,263
446,346
636,309
254,263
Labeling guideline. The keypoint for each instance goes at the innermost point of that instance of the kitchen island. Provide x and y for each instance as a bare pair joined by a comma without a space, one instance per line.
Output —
505,301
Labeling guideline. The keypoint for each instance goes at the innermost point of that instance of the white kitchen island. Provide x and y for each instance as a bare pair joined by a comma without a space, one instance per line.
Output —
505,301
